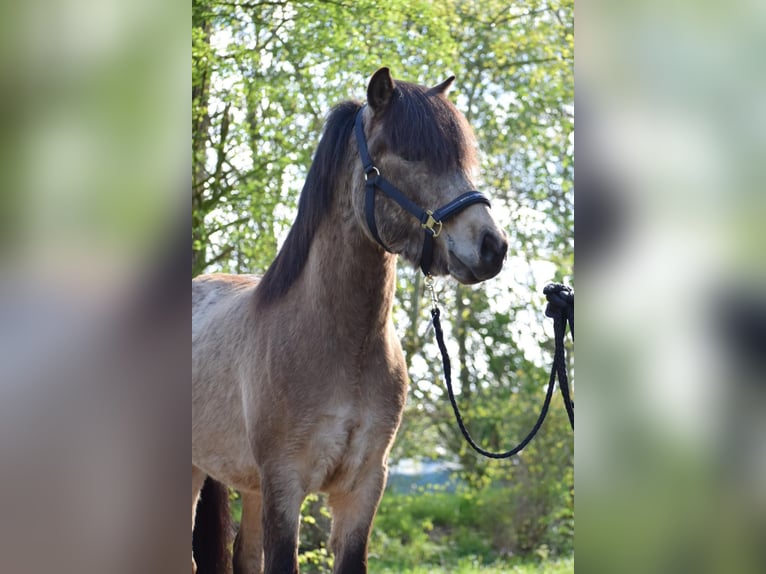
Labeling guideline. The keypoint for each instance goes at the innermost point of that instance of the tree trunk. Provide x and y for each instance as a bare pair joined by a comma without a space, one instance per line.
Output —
200,127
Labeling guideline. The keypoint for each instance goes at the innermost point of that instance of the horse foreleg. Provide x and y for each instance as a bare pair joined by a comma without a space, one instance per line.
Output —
248,545
282,499
352,515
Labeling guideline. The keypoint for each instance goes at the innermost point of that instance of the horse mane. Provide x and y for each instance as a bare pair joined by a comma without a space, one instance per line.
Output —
314,203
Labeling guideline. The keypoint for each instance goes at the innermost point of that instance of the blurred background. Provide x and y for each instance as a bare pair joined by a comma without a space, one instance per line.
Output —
94,313
671,464
94,404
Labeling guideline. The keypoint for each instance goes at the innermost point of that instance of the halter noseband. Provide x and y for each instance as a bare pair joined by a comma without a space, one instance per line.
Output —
430,221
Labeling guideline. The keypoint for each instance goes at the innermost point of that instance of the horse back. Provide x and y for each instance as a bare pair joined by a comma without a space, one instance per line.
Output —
211,290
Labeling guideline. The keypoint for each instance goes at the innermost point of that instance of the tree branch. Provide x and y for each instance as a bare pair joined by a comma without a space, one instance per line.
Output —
226,251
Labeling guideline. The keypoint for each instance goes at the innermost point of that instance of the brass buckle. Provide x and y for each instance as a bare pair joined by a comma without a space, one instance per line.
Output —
431,224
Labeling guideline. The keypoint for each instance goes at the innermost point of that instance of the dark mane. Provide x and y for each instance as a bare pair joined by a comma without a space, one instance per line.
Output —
314,203
422,125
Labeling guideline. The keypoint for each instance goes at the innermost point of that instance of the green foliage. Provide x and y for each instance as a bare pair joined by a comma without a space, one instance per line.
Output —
490,524
315,557
474,565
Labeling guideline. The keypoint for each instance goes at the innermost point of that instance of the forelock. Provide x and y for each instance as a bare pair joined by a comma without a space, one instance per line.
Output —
419,125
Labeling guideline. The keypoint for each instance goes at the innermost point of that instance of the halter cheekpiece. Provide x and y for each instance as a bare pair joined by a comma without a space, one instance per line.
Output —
430,220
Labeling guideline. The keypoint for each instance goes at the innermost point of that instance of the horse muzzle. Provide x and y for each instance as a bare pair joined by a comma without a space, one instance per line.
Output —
482,262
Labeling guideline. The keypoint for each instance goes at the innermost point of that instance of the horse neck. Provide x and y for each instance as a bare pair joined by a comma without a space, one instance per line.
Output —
347,276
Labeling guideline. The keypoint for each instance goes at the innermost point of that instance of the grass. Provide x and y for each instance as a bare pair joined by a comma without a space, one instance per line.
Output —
468,565
488,531
468,529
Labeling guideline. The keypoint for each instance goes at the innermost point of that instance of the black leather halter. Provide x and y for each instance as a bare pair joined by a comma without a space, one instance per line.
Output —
430,221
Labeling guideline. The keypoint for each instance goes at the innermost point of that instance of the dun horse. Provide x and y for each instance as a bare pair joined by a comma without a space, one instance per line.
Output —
299,381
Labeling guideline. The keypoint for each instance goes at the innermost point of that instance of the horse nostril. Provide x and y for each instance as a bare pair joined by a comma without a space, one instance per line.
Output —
493,249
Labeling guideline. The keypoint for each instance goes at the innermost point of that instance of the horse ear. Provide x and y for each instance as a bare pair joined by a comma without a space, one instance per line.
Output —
380,89
444,87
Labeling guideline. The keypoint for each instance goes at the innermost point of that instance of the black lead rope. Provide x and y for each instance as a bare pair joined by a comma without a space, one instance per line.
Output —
561,309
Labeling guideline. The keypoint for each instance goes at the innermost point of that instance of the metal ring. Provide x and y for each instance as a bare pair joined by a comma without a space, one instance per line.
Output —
370,170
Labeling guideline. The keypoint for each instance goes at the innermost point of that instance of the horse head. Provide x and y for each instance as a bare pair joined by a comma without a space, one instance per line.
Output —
413,139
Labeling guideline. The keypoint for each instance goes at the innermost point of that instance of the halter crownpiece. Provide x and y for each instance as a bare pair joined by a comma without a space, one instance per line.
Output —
431,221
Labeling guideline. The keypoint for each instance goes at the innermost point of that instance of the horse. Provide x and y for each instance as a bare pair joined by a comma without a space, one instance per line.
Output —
298,379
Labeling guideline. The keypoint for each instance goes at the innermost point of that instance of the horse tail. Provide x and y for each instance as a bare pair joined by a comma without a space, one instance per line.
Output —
212,527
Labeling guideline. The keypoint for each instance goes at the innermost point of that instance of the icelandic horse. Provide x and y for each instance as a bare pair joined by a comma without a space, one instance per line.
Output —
298,378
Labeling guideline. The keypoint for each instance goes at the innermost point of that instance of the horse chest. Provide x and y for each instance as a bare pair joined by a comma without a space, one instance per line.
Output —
341,445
